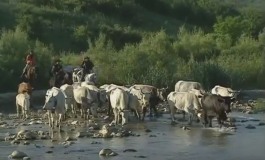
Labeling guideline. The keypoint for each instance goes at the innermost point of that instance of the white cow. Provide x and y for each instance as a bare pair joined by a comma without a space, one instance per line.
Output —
105,92
119,101
23,104
80,96
55,106
95,98
139,102
185,101
224,91
186,86
77,74
69,97
91,78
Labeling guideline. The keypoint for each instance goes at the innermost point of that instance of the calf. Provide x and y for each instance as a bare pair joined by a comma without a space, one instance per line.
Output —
23,104
55,106
185,101
214,106
119,101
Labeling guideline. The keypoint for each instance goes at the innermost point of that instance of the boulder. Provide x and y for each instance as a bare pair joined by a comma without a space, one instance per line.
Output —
107,152
17,155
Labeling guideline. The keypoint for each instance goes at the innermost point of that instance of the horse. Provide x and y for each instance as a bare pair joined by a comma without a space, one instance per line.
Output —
90,78
31,75
60,79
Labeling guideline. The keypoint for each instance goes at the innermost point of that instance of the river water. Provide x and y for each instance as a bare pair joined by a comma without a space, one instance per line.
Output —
166,142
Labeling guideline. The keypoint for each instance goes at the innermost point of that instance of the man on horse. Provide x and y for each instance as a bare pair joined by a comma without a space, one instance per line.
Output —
30,62
87,66
57,73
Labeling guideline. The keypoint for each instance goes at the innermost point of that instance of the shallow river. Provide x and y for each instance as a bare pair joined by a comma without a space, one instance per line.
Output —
166,143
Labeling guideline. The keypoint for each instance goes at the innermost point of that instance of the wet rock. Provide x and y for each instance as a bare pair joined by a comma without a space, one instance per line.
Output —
67,143
41,133
49,151
10,138
231,119
17,155
106,118
74,122
81,134
129,150
243,120
26,158
148,130
140,156
96,135
43,137
261,124
15,141
185,128
107,152
106,131
173,123
37,146
26,143
249,112
26,135
94,142
152,136
254,120
250,127
3,122
68,138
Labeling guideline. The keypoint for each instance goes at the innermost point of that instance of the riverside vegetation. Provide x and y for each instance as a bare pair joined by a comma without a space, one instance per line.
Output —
155,42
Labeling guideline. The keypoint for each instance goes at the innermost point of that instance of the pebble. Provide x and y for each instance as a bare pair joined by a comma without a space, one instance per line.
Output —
261,124
250,127
129,150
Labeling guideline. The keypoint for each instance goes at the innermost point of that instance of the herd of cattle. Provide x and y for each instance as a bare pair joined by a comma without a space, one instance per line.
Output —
85,98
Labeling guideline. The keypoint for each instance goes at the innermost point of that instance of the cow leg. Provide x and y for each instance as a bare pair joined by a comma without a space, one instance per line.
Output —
183,113
144,113
115,111
17,105
190,118
210,121
219,122
59,121
137,113
172,113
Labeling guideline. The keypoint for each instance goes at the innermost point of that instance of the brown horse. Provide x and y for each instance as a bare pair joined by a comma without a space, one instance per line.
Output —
24,88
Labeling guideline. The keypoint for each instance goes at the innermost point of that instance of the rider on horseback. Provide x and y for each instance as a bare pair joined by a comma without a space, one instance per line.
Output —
30,61
57,68
87,66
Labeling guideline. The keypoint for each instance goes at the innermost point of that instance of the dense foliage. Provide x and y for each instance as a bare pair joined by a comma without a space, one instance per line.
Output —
154,42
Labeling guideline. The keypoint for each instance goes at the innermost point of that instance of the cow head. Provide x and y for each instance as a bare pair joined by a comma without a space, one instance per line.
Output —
225,103
198,93
50,102
233,93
